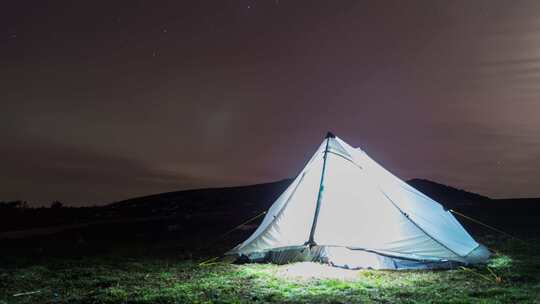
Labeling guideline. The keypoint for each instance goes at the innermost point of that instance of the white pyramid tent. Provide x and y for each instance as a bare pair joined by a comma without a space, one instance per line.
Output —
345,209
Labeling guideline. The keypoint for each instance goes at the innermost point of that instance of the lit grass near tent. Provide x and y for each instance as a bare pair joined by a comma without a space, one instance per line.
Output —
120,279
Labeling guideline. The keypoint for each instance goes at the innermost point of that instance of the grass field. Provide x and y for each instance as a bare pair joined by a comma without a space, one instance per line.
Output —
512,276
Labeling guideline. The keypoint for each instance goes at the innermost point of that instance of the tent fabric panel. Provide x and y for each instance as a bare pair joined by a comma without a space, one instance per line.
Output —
288,222
425,212
429,215
352,218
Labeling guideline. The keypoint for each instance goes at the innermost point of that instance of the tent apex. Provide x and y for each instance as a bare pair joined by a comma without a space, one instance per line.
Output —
330,135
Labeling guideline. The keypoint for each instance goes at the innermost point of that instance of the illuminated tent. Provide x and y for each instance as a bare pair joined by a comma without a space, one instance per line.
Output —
346,210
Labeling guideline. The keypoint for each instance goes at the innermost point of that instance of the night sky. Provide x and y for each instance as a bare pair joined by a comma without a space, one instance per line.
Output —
106,100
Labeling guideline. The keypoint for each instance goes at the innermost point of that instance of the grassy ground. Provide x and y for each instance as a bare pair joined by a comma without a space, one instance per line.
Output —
513,276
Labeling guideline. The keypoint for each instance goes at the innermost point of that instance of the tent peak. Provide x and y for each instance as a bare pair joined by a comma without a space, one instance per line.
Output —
330,135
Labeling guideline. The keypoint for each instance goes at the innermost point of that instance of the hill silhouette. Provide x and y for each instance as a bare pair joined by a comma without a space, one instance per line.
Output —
446,195
261,196
232,205
238,202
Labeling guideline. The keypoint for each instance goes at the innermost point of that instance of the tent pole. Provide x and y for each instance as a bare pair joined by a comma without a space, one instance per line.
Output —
311,241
